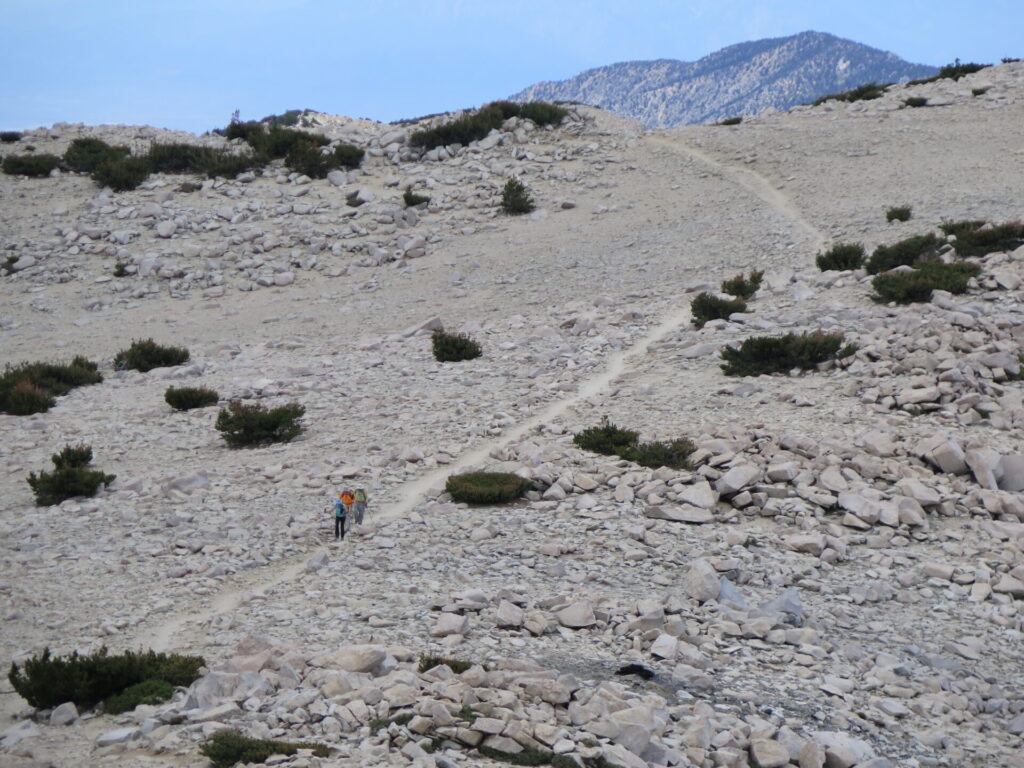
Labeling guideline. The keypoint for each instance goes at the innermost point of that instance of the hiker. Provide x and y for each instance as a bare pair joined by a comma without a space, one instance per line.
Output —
360,506
340,512
348,499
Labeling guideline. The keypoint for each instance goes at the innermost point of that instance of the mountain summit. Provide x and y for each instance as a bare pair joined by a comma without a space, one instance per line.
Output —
742,79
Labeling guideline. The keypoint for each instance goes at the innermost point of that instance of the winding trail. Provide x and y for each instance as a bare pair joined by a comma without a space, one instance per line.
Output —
167,635
753,182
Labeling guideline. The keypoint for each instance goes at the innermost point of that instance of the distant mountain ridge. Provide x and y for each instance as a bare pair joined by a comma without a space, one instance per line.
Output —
742,79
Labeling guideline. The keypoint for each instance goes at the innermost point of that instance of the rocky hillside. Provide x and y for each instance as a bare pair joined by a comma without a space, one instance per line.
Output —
743,79
834,578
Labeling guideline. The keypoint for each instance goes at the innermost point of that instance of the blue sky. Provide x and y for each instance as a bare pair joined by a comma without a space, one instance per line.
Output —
189,63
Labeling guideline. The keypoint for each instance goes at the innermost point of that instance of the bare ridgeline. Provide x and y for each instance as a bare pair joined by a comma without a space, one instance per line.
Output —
810,557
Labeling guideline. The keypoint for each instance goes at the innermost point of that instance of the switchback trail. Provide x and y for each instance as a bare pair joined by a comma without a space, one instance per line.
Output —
168,634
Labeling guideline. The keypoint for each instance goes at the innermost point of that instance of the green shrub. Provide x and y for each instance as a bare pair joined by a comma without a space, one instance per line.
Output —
898,213
121,174
743,287
707,307
860,93
455,665
229,747
606,439
979,91
515,198
245,131
952,71
841,256
89,679
542,112
477,125
903,254
412,199
145,355
83,155
249,425
120,269
527,756
31,387
731,121
348,156
72,477
453,347
486,487
306,157
151,691
187,398
918,284
959,228
174,158
30,165
278,142
9,137
778,354
221,162
916,101
981,241
609,440
674,454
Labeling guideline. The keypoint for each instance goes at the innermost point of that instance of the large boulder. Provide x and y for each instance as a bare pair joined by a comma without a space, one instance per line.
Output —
577,616
701,581
738,478
370,659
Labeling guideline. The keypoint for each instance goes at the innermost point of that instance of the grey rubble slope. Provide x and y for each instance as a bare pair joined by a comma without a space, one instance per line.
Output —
899,641
743,79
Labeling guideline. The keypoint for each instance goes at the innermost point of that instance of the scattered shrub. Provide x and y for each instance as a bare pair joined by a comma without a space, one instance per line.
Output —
412,199
916,101
983,240
145,355
306,157
918,284
674,454
953,71
1009,60
743,287
731,121
609,440
455,665
189,186
527,756
87,680
477,125
9,137
904,253
173,158
83,155
278,142
71,477
229,747
707,307
227,165
120,269
30,165
31,387
841,256
348,156
187,398
242,130
453,347
515,198
860,93
778,354
486,487
979,91
898,213
151,691
249,425
121,174
959,228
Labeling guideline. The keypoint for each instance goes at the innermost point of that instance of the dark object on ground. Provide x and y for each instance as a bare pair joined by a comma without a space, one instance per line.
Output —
636,669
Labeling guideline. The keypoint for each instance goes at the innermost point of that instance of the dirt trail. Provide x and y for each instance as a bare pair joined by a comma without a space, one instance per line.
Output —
751,181
164,636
